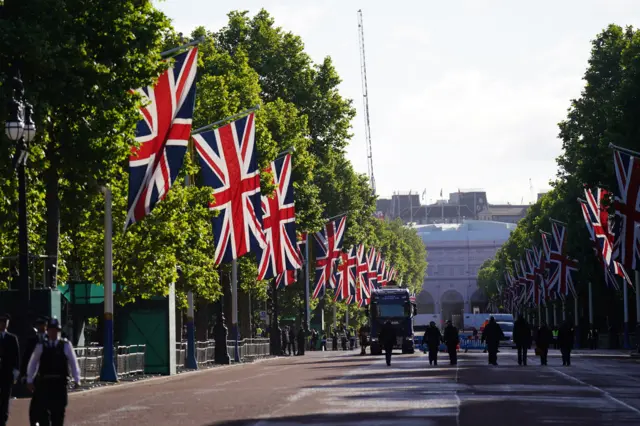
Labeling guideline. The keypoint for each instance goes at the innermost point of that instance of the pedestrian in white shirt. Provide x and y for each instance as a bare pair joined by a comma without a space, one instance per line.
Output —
52,360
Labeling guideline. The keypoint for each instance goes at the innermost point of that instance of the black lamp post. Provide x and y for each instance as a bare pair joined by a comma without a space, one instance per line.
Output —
21,129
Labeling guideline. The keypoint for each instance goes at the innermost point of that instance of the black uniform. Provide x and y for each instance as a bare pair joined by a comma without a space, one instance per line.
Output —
432,339
565,342
50,396
451,339
522,339
388,340
543,341
34,410
492,334
9,362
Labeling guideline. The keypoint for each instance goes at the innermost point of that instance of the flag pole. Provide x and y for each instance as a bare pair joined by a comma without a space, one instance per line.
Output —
108,372
234,309
625,299
230,118
625,150
306,285
190,361
172,52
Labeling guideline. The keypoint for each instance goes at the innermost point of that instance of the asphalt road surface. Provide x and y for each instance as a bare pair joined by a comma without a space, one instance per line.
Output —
344,388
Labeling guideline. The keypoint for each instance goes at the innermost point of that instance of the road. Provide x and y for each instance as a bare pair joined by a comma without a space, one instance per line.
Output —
343,388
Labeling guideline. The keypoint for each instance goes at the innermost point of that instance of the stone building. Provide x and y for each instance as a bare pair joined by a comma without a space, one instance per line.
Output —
455,253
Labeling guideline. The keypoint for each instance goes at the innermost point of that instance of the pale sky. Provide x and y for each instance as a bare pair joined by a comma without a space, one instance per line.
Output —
462,94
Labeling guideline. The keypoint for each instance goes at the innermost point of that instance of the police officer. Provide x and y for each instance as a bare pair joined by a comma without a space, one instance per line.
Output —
39,337
9,366
52,359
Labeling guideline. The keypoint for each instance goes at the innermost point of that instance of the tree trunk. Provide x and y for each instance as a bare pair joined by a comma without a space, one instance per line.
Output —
52,200
243,314
202,319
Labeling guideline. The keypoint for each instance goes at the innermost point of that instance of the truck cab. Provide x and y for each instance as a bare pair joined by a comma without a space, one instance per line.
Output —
396,306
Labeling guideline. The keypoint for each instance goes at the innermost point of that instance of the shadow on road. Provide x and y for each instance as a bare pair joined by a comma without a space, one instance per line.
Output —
384,418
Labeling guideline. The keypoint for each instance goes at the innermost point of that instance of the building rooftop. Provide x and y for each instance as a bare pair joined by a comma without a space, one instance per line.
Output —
504,210
469,230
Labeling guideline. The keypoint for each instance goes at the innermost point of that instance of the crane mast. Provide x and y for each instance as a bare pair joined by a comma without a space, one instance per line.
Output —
365,98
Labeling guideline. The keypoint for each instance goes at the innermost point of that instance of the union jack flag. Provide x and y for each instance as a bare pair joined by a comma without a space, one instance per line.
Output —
163,134
363,292
541,273
327,245
346,277
560,265
382,272
626,249
598,224
279,224
289,277
229,162
392,273
412,298
372,274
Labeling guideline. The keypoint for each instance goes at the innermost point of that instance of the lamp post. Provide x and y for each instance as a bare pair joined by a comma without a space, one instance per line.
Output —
20,129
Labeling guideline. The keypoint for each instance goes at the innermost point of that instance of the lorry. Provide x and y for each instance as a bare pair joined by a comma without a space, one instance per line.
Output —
393,304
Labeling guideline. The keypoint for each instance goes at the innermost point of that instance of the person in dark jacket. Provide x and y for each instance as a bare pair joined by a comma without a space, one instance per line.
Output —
431,340
451,339
388,339
302,337
522,338
39,337
492,334
9,366
543,341
565,342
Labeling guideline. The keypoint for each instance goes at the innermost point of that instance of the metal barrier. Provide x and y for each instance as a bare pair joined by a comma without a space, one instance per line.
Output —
129,361
472,344
249,349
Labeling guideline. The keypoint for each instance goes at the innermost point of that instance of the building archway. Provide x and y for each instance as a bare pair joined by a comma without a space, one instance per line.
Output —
425,303
451,303
479,300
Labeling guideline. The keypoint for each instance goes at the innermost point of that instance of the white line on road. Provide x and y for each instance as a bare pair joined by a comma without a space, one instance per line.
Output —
602,391
458,401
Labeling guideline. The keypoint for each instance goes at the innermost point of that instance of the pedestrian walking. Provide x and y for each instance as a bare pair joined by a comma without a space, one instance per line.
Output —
302,336
492,334
451,340
9,366
543,341
364,335
32,342
522,338
565,342
52,360
431,340
388,340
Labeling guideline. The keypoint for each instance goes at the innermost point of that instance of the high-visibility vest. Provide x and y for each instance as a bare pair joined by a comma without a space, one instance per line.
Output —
555,334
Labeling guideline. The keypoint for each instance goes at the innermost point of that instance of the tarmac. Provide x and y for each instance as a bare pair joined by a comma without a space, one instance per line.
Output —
344,388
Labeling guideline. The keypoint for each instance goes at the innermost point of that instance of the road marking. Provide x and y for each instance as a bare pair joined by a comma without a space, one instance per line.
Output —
458,401
602,391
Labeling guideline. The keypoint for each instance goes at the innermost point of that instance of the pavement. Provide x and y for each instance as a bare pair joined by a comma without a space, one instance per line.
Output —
344,388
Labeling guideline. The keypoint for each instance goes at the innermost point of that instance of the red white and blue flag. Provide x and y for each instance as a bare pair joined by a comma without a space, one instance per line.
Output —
327,247
599,224
363,292
382,272
229,162
163,135
626,248
289,277
345,277
561,267
279,224
372,274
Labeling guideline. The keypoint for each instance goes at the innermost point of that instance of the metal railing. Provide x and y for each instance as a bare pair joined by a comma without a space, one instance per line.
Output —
249,350
129,361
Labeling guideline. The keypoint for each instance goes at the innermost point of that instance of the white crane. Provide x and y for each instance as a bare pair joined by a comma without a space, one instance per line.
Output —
365,98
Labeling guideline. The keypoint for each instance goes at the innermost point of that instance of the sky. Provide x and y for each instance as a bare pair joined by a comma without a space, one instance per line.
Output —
463,94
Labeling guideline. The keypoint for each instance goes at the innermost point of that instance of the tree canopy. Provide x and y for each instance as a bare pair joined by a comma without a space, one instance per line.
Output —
79,60
605,113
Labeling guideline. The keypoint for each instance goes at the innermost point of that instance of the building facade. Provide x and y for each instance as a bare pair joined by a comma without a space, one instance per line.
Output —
455,253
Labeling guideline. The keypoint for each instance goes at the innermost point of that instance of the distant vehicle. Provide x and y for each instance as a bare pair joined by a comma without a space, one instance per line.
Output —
421,322
498,318
507,330
393,304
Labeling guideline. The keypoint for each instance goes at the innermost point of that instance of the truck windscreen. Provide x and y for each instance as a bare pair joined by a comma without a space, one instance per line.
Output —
392,310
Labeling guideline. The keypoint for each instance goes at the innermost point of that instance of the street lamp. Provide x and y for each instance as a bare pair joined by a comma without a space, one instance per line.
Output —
20,129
